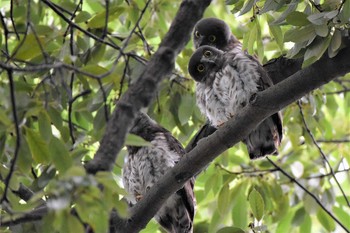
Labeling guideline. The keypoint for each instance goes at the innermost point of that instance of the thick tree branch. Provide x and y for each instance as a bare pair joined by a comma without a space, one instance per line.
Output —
262,105
143,91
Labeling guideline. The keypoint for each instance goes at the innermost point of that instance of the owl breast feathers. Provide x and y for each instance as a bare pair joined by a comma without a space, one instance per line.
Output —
225,81
145,165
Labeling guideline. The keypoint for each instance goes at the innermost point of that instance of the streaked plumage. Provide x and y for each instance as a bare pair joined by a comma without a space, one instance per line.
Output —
225,81
145,165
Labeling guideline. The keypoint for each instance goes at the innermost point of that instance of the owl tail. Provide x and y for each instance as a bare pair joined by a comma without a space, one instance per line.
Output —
266,138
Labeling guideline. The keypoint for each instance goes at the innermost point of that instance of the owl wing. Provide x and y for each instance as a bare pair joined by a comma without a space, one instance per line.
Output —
266,82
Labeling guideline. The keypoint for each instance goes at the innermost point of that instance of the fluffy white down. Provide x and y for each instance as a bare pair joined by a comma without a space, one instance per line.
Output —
233,85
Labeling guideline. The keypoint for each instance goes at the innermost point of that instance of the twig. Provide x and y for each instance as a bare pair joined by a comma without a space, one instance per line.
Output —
253,172
12,21
308,192
105,28
321,152
326,175
72,24
18,138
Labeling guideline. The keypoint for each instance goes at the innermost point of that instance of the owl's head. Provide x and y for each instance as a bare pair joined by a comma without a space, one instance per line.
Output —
213,32
205,62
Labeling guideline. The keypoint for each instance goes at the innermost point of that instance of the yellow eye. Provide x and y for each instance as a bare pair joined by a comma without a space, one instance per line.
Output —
197,34
200,68
212,38
207,53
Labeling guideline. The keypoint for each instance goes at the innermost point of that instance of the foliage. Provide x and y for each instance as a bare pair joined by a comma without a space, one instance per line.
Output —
72,65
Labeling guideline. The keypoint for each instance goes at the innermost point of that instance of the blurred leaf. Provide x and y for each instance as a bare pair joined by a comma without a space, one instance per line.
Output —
134,140
230,230
60,154
186,108
256,204
37,146
247,6
45,126
98,20
82,16
224,200
326,221
297,18
318,18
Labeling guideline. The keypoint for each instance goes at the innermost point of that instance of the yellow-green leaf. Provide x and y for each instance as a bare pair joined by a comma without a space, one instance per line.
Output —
38,147
256,204
60,154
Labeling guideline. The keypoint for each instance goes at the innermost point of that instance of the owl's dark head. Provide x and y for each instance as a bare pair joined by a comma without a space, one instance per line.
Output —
213,32
204,63
145,127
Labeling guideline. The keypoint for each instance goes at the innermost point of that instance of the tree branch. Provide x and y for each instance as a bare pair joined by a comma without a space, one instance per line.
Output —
262,105
141,93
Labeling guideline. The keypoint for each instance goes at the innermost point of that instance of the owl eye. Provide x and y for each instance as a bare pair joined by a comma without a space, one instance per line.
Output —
200,68
212,38
197,34
207,53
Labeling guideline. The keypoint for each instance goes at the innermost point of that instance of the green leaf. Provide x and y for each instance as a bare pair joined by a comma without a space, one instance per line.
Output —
247,6
315,51
60,155
74,225
45,126
224,201
256,204
306,226
299,217
134,140
186,108
83,16
271,5
326,221
342,215
276,32
37,146
297,18
29,48
292,6
322,30
336,40
299,35
230,230
317,18
98,20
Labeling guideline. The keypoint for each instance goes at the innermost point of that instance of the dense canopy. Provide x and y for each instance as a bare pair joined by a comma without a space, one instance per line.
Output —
73,75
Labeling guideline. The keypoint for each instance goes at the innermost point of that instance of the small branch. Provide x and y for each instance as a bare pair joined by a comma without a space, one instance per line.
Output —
18,138
336,141
105,28
309,193
72,24
321,152
326,175
251,172
12,21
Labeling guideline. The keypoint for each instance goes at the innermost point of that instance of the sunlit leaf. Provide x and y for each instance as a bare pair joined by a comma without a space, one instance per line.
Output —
134,140
326,221
256,204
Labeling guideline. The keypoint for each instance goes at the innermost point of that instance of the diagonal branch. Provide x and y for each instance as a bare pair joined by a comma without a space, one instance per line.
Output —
262,105
143,91
321,152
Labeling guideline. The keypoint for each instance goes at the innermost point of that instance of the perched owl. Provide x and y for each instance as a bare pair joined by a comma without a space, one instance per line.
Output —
145,165
225,81
216,33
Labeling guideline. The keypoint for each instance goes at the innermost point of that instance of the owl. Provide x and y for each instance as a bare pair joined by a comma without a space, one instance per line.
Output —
215,33
225,81
145,165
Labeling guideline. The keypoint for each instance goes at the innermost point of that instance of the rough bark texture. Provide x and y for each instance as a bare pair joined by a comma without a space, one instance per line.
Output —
262,105
143,91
